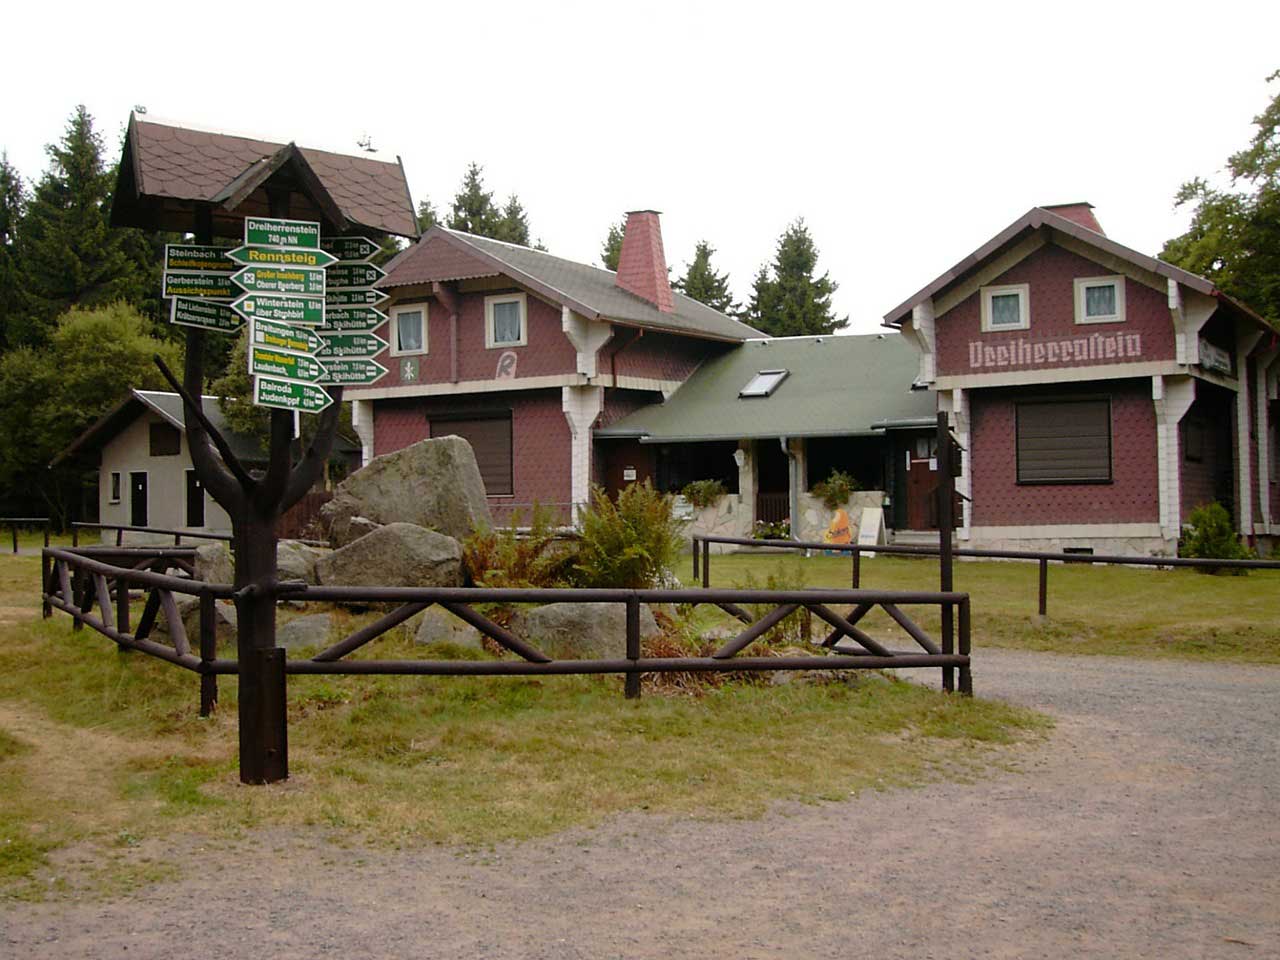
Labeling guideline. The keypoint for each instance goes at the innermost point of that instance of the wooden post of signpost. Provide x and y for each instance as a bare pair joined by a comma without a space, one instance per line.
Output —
946,505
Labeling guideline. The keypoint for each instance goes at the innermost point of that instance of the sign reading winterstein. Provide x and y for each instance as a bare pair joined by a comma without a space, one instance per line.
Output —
352,319
271,232
288,395
354,371
281,257
352,298
351,345
305,281
349,249
290,366
197,258
205,314
210,286
284,337
351,275
307,311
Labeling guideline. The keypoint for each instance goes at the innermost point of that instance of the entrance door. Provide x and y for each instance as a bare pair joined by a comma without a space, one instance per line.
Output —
921,457
138,499
195,500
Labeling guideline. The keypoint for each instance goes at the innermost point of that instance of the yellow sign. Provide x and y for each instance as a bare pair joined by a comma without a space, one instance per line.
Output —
838,530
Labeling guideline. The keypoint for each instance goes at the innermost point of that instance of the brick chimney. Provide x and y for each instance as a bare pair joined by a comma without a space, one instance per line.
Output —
1081,213
642,266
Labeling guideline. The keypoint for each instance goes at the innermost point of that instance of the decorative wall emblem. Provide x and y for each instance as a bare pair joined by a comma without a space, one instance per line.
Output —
506,366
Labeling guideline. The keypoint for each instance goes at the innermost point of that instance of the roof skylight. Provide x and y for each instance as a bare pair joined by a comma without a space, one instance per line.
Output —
763,383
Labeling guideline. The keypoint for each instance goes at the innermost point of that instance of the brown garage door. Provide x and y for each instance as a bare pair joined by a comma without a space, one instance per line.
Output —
490,438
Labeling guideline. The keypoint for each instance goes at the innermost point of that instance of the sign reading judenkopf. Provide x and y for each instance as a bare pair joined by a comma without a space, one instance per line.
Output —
287,395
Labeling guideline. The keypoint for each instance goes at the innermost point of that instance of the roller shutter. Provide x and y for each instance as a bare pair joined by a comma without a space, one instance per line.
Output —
490,438
1064,441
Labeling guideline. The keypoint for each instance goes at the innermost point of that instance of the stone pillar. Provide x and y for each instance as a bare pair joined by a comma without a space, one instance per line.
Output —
581,406
1173,397
362,421
956,404
1262,423
1247,337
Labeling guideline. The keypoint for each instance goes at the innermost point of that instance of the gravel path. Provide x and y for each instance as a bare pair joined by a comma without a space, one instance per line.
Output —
1147,826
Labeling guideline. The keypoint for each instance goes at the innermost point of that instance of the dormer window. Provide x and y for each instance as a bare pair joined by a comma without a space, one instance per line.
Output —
1099,299
763,383
1006,308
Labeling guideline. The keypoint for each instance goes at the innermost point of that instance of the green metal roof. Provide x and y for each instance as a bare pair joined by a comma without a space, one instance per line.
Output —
836,386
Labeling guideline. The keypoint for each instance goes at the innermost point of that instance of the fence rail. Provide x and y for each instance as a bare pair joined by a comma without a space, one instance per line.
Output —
15,523
92,585
122,528
702,558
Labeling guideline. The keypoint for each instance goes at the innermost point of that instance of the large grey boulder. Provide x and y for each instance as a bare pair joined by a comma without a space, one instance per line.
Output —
296,561
224,621
581,631
213,563
347,530
397,555
442,627
433,483
311,631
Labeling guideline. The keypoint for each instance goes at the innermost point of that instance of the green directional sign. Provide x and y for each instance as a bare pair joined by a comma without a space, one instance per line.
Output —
205,314
353,298
351,345
197,258
354,371
352,319
280,257
354,275
278,363
307,311
349,249
210,286
289,395
306,281
271,232
282,336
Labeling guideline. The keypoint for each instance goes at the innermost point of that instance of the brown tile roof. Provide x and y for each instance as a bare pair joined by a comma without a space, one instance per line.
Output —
181,163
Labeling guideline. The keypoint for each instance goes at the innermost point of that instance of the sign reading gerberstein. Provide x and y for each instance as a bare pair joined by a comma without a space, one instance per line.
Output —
208,286
271,232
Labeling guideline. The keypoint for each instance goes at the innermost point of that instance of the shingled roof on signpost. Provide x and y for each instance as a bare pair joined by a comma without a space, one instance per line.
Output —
167,170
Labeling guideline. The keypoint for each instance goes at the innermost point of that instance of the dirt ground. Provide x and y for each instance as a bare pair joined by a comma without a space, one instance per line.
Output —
1147,825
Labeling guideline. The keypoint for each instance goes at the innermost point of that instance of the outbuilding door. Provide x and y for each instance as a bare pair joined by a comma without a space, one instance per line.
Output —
138,499
921,460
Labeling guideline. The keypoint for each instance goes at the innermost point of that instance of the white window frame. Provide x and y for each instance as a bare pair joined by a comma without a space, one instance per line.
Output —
1023,290
115,483
1084,283
489,302
393,331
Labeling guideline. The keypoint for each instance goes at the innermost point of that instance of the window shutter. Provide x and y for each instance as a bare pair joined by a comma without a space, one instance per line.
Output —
1066,441
490,438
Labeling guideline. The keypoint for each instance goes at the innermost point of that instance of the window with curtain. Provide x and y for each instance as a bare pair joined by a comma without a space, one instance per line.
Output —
409,329
1006,307
505,321
1099,299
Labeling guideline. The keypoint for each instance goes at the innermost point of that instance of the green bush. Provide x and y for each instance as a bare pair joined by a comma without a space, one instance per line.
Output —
704,493
511,557
632,543
834,492
1209,534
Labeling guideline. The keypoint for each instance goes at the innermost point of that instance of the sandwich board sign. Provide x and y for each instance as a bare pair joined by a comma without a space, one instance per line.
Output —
871,530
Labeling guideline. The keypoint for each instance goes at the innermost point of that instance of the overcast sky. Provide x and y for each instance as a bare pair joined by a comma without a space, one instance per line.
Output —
905,137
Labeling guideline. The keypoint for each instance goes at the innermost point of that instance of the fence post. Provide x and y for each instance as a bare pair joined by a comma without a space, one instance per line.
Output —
75,535
966,672
15,538
946,496
1044,586
633,647
80,598
208,652
857,568
46,532
119,536
122,606
46,583
696,542
706,564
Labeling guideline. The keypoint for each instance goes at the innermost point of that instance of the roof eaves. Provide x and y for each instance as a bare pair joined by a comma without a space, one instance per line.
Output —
408,196
71,449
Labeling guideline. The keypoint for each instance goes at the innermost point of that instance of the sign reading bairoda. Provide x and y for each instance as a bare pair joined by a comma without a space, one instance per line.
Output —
288,395
349,249
279,363
272,232
304,281
205,314
354,371
207,286
306,311
282,336
280,256
197,258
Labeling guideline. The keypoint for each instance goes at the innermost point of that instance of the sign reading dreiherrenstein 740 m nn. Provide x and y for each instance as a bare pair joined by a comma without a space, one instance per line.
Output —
271,232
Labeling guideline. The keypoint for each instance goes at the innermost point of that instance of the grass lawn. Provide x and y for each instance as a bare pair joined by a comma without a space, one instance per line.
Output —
1093,609
102,755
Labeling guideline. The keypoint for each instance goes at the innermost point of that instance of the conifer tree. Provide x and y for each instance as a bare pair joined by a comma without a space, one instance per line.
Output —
473,207
611,251
702,283
513,224
787,300
12,205
427,216
69,254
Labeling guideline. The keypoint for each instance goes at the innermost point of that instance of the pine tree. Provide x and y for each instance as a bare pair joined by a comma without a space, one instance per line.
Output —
427,216
473,207
702,283
612,249
513,225
786,299
12,206
70,256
